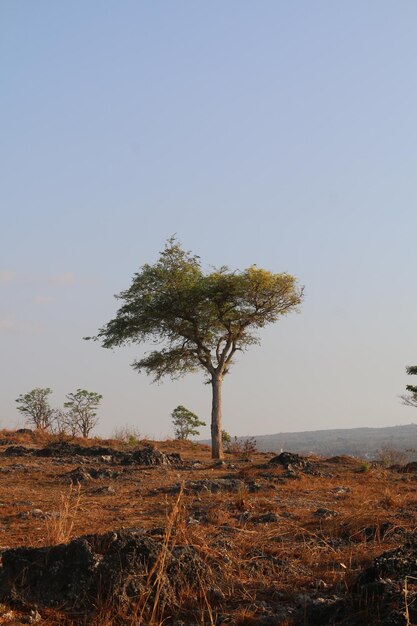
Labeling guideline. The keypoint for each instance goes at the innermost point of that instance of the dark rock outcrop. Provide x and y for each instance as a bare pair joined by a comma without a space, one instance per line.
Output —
289,460
149,455
120,567
17,451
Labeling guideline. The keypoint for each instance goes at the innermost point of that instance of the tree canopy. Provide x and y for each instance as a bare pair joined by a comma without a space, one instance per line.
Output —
82,406
34,405
186,423
196,319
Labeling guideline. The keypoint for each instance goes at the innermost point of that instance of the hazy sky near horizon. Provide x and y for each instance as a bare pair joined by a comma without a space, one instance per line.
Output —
277,133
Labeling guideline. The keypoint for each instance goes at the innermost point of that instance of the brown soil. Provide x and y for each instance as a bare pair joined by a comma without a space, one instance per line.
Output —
283,540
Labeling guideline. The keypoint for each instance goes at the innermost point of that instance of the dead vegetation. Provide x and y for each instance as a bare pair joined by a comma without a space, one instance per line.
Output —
281,545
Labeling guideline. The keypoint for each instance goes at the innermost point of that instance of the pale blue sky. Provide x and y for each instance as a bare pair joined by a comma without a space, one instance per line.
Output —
277,133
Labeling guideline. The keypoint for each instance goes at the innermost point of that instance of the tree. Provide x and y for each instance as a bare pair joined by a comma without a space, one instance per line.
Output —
61,423
34,405
185,422
197,320
226,440
410,399
82,407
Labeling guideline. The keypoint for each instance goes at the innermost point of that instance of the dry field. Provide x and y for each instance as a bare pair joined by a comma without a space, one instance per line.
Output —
274,545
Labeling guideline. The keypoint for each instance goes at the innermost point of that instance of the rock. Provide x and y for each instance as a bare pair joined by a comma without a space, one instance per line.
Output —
340,491
88,571
35,513
81,475
289,459
149,455
103,491
266,518
325,513
410,467
229,485
17,451
65,449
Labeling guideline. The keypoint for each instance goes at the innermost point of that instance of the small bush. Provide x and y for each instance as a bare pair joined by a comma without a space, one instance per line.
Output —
388,455
127,434
244,449
364,467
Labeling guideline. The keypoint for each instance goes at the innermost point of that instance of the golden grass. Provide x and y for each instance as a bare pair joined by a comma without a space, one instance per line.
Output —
254,562
59,526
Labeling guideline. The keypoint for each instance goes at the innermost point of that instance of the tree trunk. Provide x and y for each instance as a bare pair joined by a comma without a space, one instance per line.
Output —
216,418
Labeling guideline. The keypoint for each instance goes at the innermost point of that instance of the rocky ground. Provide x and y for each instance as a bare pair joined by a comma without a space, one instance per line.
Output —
101,533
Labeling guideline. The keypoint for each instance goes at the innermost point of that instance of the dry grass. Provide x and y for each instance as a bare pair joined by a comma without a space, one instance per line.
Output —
60,524
254,564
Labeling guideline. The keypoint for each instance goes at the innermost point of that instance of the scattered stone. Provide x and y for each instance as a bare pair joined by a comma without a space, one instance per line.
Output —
325,513
17,451
230,485
34,513
266,518
149,455
291,474
81,475
103,491
340,491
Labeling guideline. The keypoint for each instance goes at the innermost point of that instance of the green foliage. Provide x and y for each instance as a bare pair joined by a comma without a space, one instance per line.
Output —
185,422
34,405
226,439
200,320
82,406
410,399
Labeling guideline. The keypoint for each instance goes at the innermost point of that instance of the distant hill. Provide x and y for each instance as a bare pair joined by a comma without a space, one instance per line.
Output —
362,442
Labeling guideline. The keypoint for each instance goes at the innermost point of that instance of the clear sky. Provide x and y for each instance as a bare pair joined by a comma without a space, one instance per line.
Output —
277,133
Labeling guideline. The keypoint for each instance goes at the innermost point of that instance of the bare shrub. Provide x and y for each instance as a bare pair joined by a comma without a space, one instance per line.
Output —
127,434
388,455
244,449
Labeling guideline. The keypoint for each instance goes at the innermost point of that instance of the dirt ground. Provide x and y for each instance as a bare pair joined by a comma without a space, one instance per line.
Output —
276,538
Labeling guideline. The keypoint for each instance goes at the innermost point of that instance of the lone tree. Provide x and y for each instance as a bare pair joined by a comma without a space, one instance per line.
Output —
81,414
34,405
197,320
410,399
186,423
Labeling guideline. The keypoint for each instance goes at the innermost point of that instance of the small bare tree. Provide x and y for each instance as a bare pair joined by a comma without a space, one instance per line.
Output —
82,406
63,423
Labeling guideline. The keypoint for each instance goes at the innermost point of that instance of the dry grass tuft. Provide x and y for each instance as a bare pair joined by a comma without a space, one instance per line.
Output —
59,527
